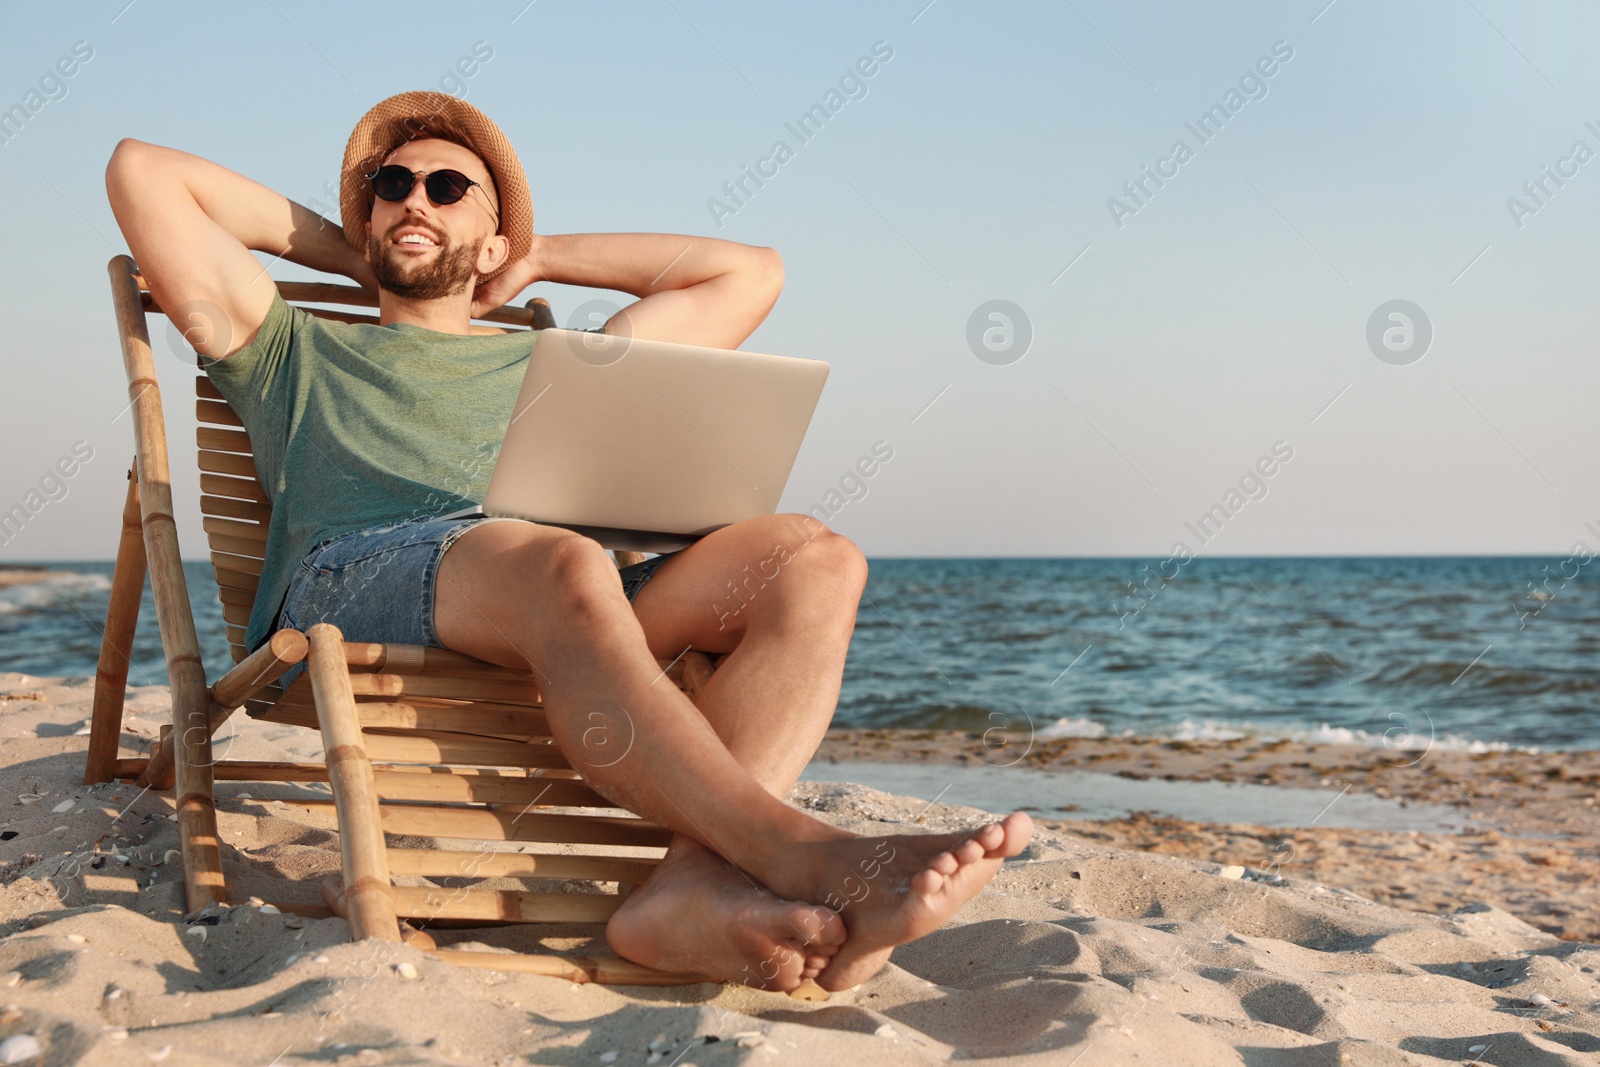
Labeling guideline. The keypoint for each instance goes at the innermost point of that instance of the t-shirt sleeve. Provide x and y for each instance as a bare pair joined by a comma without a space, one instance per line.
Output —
256,380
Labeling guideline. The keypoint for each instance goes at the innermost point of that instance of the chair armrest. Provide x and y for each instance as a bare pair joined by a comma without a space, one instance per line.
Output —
259,669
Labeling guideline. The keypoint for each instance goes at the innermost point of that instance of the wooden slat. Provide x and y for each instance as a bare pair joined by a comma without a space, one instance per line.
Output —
466,752
235,635
476,824
206,389
232,488
269,771
243,531
299,293
229,463
235,614
219,440
239,580
443,863
503,905
351,295
223,561
236,546
461,788
234,509
217,413
419,659
504,690
243,598
494,720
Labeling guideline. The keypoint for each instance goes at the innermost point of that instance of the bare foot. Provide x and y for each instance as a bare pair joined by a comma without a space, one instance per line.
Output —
891,890
699,913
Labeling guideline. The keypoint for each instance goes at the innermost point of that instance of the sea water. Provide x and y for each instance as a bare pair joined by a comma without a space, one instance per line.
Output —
1474,652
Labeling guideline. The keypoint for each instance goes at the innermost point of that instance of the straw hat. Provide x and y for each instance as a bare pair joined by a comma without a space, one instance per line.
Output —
413,116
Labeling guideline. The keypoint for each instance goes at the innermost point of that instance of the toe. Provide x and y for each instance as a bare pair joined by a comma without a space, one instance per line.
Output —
970,851
927,882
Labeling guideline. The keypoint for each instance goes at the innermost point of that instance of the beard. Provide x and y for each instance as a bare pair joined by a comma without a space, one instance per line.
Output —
452,270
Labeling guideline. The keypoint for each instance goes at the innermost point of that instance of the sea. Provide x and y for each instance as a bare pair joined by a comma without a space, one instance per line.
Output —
1478,653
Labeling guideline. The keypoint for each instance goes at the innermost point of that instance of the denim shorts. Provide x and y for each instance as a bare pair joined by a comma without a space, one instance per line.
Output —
377,584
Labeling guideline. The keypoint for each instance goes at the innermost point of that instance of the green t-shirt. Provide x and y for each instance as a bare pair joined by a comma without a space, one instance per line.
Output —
354,425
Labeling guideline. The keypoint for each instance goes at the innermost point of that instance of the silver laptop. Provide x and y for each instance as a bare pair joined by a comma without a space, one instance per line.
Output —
647,446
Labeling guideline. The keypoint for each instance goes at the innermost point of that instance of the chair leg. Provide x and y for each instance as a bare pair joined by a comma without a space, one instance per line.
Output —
367,902
116,646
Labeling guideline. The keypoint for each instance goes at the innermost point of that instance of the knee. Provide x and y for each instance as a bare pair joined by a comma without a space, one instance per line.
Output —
578,573
832,556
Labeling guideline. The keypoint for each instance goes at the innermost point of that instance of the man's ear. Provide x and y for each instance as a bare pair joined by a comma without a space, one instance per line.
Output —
494,252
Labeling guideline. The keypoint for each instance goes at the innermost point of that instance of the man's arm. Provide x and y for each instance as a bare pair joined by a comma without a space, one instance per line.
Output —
693,290
191,226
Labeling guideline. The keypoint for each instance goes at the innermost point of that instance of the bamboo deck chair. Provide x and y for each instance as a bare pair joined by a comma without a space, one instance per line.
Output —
419,741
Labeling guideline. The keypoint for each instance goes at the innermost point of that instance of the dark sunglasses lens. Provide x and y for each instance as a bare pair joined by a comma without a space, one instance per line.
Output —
392,183
447,186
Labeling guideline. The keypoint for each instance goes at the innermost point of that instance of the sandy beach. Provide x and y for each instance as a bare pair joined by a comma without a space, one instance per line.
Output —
1143,939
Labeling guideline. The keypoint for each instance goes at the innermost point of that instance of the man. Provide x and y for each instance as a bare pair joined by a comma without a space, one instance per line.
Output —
363,434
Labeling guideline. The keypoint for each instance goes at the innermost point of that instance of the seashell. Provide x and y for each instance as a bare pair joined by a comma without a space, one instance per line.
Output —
65,805
20,1049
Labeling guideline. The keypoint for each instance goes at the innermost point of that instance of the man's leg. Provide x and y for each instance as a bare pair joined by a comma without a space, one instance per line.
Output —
540,598
778,595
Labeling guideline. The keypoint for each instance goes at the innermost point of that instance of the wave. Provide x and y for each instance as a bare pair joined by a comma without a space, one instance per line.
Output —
1487,676
47,592
1404,736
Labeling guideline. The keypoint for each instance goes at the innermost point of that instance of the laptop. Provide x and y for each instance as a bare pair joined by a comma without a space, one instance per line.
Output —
647,446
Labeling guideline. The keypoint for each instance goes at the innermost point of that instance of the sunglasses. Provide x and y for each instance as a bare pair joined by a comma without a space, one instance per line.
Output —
444,187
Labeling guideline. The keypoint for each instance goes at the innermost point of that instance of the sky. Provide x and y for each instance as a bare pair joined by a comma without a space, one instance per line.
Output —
1158,348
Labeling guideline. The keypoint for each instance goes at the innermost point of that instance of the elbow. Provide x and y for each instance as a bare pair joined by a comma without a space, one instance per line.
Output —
769,271
124,160
123,154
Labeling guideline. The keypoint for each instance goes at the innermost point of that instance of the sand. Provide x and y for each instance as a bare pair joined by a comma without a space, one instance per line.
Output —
1079,952
1534,849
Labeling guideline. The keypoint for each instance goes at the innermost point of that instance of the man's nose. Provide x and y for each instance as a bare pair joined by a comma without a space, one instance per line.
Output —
418,196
